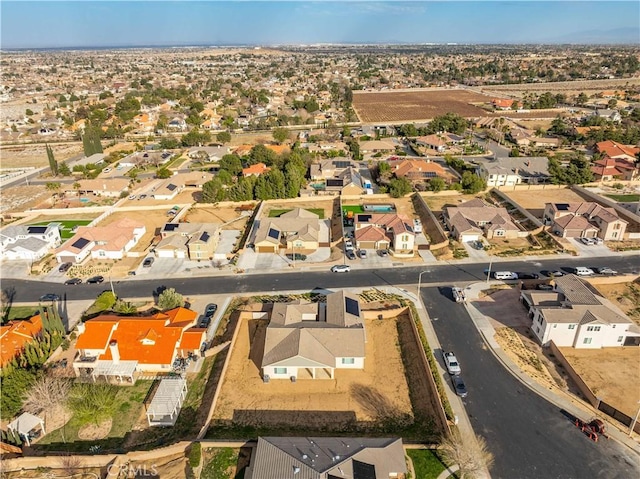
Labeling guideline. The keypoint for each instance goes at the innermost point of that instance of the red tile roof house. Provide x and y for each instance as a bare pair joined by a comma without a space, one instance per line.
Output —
101,242
617,150
382,231
255,170
420,170
502,104
118,346
584,220
15,335
608,169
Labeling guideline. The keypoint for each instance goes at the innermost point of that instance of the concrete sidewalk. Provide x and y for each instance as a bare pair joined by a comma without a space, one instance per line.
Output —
558,397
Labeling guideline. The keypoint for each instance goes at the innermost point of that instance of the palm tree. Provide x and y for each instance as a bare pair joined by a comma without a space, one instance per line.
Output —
77,186
54,187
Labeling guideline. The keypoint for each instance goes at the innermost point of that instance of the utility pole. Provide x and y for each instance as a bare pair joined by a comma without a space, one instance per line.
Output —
489,270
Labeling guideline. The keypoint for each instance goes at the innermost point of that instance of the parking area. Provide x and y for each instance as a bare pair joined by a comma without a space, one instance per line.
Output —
476,253
590,251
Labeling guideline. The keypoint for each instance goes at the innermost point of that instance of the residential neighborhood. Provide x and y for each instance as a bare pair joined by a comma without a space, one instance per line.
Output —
259,261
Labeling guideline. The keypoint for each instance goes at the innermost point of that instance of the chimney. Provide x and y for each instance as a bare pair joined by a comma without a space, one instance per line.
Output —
528,163
115,353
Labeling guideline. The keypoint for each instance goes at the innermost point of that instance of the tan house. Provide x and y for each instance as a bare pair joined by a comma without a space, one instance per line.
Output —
584,220
297,230
420,170
331,168
196,241
109,187
470,220
384,231
433,142
377,146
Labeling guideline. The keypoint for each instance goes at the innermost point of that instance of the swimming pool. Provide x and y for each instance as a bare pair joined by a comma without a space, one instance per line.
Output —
380,208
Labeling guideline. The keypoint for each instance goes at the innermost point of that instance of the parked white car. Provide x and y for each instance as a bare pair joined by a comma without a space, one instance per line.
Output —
341,268
451,362
583,271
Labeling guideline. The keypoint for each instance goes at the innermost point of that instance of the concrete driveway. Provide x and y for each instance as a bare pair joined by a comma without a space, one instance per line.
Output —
590,251
478,255
18,269
373,260
227,242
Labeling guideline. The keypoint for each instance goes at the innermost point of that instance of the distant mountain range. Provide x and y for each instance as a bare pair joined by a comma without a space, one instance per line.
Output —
629,35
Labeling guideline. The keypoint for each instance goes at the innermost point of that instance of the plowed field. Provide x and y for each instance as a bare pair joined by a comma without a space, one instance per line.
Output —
416,105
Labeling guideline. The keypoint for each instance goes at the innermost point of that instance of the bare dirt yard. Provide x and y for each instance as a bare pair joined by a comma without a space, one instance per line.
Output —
325,204
21,198
626,296
153,220
377,393
534,200
19,156
417,105
611,373
220,215
437,203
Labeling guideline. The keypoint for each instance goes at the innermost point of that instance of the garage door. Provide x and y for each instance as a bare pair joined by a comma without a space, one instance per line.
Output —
265,249
469,237
165,253
366,245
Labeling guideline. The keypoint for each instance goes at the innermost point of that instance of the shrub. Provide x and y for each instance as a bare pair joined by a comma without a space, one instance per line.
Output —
195,454
104,302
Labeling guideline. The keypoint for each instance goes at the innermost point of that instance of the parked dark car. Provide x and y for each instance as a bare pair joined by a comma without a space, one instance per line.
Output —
148,262
544,287
210,310
351,255
64,267
459,387
528,275
95,280
384,253
50,297
73,281
204,322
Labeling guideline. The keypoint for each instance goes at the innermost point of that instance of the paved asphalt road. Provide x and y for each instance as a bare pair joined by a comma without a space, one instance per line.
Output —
26,291
529,437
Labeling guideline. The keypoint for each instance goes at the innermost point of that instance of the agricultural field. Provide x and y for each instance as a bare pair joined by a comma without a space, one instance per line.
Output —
417,105
68,227
589,87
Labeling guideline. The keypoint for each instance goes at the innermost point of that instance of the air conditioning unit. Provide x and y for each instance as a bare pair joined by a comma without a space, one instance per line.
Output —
293,379
265,378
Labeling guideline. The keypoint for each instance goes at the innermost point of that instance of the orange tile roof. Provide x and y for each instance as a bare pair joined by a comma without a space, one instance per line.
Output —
148,340
615,149
256,169
243,150
15,335
502,103
193,338
279,149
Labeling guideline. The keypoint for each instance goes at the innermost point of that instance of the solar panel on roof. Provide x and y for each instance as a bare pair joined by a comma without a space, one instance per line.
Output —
364,218
430,174
351,306
171,187
562,206
362,470
171,226
204,237
273,233
36,230
80,243
341,164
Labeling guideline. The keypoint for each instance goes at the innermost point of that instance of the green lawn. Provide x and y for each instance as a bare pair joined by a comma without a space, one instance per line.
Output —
277,212
426,463
67,226
624,198
354,208
21,312
219,463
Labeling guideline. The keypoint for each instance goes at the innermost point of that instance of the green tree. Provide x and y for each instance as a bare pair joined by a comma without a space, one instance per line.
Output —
514,152
280,135
54,188
398,187
170,299
93,403
164,173
223,137
196,137
124,307
225,177
168,143
15,385
53,164
231,163
77,186
29,112
243,190
472,183
91,140
63,169
581,99
262,154
213,191
437,184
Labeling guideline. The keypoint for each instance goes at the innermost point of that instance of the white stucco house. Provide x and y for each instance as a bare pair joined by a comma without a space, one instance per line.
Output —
308,340
22,242
574,315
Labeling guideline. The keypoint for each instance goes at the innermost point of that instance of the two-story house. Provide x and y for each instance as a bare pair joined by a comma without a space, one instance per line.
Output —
28,242
584,220
196,241
470,220
385,231
510,171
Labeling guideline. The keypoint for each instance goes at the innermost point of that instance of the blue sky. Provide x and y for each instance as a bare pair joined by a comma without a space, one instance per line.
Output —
49,24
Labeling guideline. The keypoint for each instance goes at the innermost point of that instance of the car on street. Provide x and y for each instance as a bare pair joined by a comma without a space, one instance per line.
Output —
351,254
544,287
606,270
459,386
132,197
362,253
50,297
210,310
142,197
502,275
583,271
95,280
451,362
556,274
341,268
64,267
73,281
148,262
458,294
528,275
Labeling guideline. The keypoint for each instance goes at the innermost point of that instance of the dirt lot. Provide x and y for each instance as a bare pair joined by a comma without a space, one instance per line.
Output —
153,220
215,214
436,203
21,198
189,195
601,370
36,155
570,88
534,200
417,105
378,392
326,205
624,295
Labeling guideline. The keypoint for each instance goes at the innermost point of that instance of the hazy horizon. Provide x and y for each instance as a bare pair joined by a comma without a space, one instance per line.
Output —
125,24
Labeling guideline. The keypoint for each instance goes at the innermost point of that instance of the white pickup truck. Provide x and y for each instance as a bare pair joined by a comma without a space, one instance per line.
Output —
451,362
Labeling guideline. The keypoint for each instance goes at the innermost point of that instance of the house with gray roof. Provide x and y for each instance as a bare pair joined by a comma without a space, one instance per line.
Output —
470,220
584,220
196,241
327,458
576,315
28,242
307,340
511,171
298,230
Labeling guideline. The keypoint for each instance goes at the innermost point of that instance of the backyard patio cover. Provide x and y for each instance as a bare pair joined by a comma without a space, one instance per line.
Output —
119,369
25,423
167,401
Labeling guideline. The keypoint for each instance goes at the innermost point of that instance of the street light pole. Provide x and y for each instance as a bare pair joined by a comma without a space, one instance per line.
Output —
111,283
489,270
635,420
420,280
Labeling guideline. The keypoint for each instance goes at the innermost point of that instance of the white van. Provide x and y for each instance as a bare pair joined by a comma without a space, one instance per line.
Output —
505,275
582,271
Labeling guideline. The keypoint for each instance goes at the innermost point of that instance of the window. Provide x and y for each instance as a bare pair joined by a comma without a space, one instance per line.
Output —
348,360
613,326
499,233
280,370
620,339
593,328
614,234
616,226
102,254
572,326
586,341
